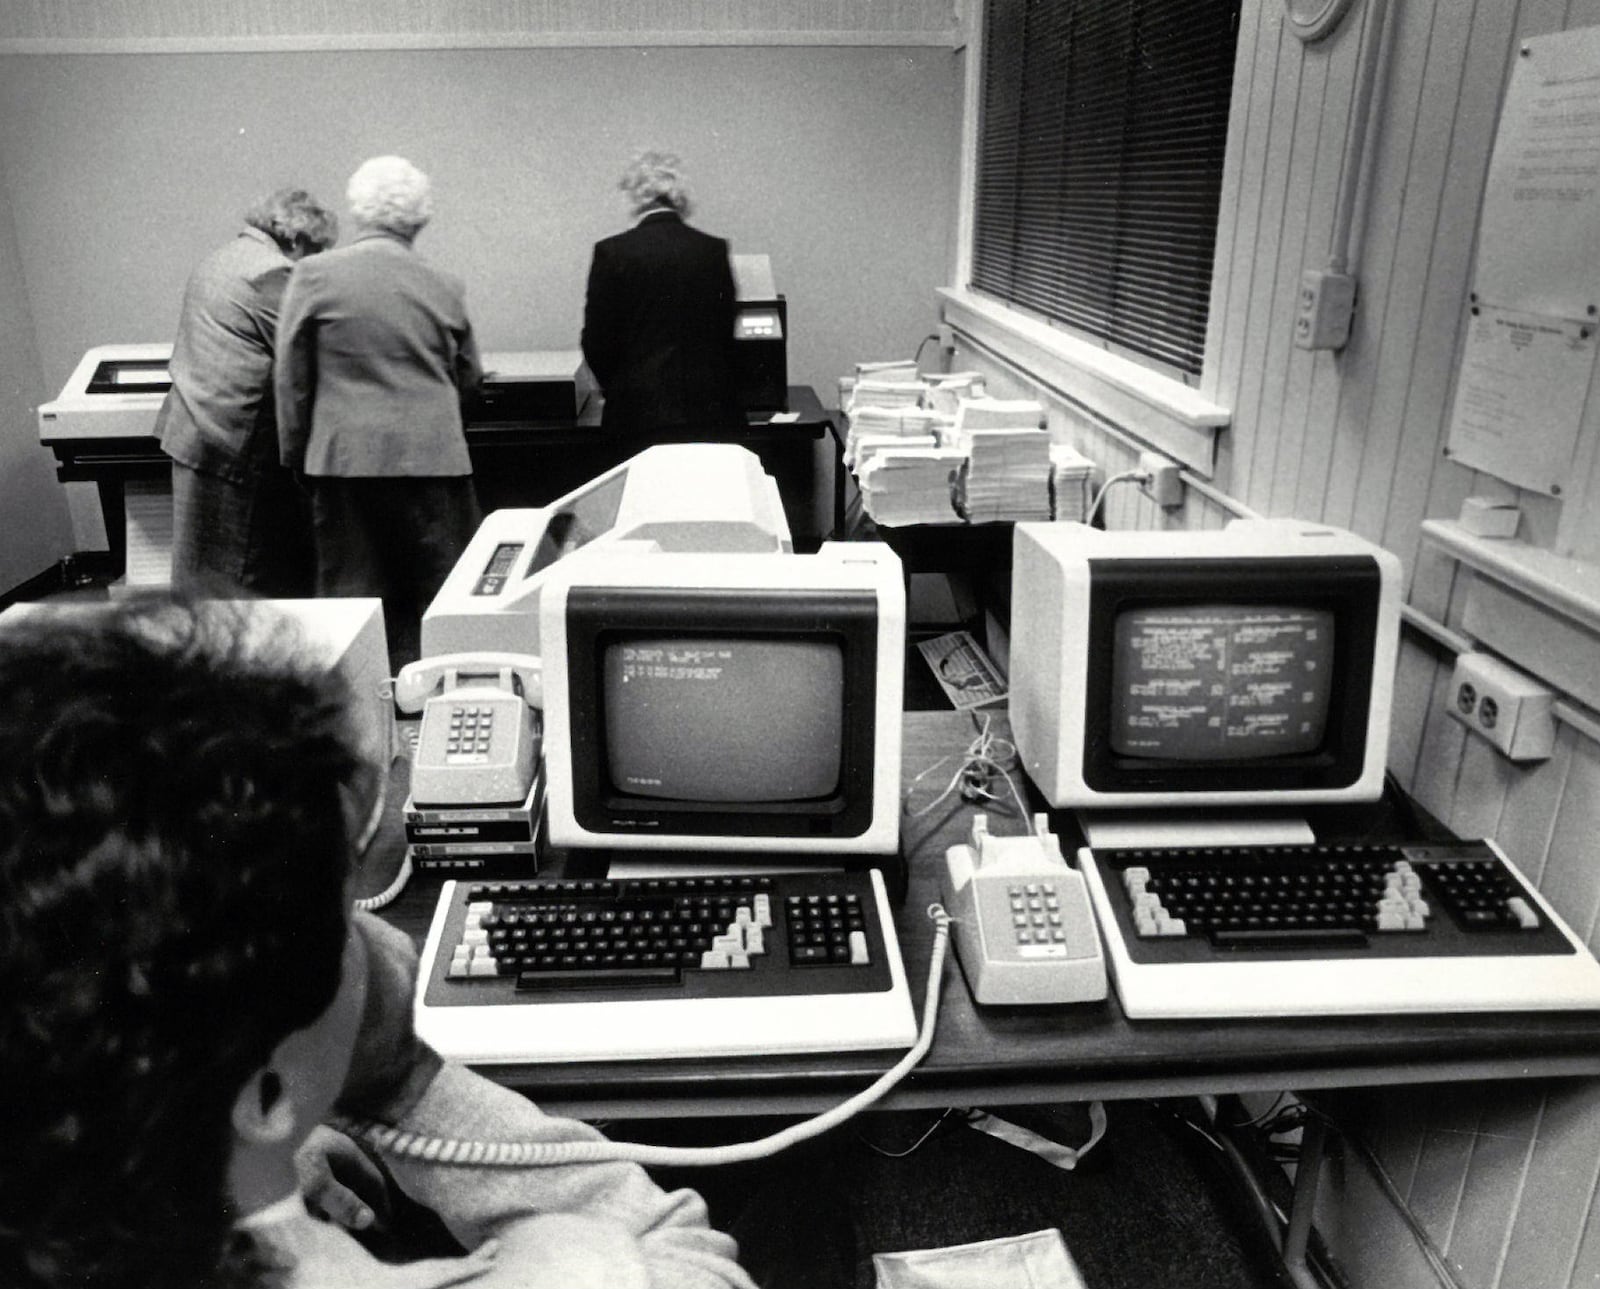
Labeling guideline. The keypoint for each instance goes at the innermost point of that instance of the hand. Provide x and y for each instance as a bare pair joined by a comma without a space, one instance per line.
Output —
339,1182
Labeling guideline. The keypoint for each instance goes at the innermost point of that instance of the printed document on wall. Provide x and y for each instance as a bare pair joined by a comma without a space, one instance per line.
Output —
1520,396
1539,240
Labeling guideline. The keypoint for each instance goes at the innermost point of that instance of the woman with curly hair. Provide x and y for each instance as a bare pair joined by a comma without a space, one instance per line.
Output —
239,519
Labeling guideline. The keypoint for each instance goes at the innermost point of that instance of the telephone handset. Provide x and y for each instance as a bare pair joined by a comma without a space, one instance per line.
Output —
479,740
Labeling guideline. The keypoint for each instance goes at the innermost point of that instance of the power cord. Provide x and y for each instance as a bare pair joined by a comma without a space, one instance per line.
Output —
1142,476
985,757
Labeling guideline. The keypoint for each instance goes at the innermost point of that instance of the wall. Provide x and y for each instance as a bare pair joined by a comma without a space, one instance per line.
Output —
833,158
1503,1177
27,476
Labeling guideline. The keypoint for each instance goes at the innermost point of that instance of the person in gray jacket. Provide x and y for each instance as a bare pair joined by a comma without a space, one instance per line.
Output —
239,519
375,355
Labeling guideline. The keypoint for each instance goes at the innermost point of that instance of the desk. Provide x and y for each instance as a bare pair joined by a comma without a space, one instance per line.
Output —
1003,1055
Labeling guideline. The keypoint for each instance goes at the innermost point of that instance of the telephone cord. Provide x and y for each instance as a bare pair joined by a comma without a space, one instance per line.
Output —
543,1154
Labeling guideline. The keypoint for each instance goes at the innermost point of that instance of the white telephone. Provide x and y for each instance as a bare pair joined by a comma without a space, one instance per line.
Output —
1024,929
479,740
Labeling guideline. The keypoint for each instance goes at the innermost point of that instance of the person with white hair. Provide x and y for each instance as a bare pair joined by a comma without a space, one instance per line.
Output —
375,356
240,523
659,311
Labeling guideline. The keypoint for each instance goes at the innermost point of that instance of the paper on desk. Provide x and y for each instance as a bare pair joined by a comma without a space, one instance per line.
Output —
963,670
1539,237
1520,396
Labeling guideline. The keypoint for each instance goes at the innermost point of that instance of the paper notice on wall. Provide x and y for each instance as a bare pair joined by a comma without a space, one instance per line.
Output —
1520,396
1539,240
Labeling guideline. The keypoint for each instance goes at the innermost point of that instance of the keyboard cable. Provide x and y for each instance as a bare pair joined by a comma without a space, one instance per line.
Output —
395,1140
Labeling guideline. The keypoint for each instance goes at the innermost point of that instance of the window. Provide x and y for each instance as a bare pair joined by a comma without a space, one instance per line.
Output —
1100,150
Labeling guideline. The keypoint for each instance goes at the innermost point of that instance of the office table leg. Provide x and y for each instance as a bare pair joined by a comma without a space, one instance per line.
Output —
1308,1172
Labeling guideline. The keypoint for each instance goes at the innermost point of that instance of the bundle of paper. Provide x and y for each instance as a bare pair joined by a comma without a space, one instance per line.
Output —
945,392
898,370
1072,477
884,393
888,422
901,485
1007,475
999,414
867,446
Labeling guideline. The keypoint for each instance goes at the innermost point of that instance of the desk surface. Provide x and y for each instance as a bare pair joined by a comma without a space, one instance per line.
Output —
1000,1055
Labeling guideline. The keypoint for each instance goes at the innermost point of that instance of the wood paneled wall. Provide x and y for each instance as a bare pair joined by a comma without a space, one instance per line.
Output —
1504,1176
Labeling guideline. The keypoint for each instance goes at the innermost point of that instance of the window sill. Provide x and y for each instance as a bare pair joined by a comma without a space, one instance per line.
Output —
1156,410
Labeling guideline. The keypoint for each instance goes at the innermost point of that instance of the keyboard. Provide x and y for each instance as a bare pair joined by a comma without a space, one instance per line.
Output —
658,967
1331,930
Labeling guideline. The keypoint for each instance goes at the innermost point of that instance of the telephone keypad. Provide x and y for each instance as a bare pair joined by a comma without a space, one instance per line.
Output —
471,731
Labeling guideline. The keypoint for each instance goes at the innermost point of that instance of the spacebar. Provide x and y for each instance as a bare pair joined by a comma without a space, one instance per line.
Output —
605,978
1302,938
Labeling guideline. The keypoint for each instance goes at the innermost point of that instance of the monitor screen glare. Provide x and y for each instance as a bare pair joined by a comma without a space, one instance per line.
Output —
724,718
1221,682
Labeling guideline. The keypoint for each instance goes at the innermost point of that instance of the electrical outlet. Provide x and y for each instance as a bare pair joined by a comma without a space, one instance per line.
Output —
1509,708
1165,485
947,338
1323,312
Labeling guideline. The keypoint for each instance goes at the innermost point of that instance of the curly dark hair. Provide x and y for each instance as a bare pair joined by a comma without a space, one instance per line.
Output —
173,858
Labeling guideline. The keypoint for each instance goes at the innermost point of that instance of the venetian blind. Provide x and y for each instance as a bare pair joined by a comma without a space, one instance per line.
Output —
1103,128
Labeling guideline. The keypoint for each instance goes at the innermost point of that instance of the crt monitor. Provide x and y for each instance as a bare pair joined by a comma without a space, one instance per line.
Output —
725,702
1249,666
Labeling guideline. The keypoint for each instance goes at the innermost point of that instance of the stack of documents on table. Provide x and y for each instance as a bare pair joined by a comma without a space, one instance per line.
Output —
890,422
910,485
867,446
884,393
945,392
1006,476
999,414
897,371
1072,478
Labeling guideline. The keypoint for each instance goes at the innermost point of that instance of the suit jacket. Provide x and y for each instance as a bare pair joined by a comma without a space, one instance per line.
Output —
218,417
375,354
658,328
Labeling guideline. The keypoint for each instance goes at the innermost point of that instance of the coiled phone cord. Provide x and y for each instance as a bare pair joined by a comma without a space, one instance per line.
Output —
543,1154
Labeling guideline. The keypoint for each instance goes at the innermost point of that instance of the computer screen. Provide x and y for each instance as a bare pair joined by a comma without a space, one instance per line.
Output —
1247,666
725,701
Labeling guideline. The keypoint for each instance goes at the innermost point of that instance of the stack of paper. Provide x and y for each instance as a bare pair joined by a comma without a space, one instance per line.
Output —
999,414
884,393
1072,481
945,392
898,370
867,446
910,485
880,422
1007,475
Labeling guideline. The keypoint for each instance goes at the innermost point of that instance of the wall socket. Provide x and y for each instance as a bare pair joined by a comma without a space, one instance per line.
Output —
1508,707
1324,309
1165,485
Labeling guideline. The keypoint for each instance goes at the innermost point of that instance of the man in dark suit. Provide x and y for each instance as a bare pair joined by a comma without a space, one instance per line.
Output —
658,316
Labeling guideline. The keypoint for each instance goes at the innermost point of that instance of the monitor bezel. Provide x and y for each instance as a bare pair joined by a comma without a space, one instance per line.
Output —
1350,586
597,616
